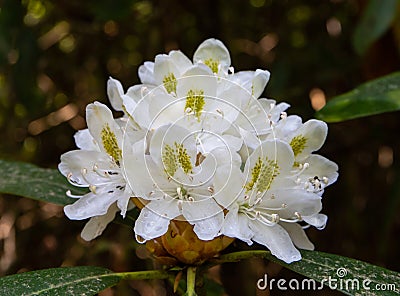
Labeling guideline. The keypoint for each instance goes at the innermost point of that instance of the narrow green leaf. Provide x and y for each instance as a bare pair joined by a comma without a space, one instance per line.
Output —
374,97
375,21
84,280
348,275
24,179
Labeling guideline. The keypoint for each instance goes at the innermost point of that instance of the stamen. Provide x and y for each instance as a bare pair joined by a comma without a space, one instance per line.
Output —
69,194
210,189
283,115
220,112
72,182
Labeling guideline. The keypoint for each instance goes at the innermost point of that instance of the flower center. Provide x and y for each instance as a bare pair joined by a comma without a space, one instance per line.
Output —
212,64
195,102
298,144
176,156
262,175
170,82
110,143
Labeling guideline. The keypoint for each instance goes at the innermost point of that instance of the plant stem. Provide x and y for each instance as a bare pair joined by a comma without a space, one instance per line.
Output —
191,281
143,275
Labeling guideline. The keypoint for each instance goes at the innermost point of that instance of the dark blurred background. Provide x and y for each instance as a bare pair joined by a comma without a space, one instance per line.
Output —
56,57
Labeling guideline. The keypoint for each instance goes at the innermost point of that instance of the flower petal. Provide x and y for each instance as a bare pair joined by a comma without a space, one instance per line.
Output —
104,129
277,240
259,82
79,165
146,73
318,220
205,215
228,185
85,141
153,220
115,92
92,204
214,54
308,138
171,136
96,225
298,236
237,225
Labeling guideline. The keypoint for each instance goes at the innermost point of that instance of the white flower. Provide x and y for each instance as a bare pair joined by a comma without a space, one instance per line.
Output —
97,167
171,177
264,203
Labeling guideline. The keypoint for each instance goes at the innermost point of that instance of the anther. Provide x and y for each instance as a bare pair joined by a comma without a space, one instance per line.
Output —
325,180
274,218
210,189
283,115
92,188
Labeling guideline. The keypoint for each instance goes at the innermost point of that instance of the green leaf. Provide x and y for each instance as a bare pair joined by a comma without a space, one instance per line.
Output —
84,280
341,273
28,180
374,97
375,21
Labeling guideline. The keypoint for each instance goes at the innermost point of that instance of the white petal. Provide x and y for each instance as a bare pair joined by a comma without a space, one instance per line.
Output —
91,205
228,185
321,167
273,150
151,224
287,126
181,61
277,240
171,135
319,220
164,66
96,225
205,215
123,201
85,141
298,236
315,132
114,92
295,200
146,73
142,174
214,50
197,78
99,119
78,165
259,82
237,225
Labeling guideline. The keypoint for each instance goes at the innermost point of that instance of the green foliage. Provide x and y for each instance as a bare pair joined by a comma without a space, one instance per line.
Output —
27,180
375,21
374,97
322,267
84,280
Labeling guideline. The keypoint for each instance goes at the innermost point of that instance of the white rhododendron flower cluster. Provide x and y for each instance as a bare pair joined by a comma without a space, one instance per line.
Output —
197,143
